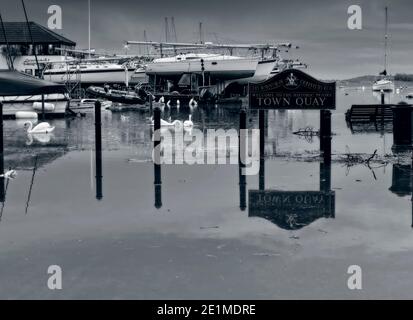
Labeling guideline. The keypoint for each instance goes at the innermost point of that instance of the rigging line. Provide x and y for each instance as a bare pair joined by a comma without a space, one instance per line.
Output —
31,185
31,38
7,44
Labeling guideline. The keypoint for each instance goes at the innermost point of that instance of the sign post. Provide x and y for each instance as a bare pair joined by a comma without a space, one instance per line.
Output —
296,90
293,89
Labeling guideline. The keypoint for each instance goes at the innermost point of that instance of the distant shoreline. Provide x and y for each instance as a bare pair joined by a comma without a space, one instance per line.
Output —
371,78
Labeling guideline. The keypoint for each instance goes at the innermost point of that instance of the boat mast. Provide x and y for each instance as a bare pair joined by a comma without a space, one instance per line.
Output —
31,38
166,30
11,66
201,38
89,28
385,43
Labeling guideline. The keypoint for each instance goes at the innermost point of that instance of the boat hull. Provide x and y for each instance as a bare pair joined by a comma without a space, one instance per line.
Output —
384,86
109,76
13,104
223,69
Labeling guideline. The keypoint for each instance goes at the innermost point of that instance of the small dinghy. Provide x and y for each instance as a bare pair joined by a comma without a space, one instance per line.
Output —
125,97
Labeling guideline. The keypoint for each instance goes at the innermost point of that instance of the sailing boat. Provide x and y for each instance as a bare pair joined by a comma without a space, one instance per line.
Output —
384,84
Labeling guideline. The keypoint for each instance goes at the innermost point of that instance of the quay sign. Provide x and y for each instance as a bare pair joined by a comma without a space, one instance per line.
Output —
292,89
291,210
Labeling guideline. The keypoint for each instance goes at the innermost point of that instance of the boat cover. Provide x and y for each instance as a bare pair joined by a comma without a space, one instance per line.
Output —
14,83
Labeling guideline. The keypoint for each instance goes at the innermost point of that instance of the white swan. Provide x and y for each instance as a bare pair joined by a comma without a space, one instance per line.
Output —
164,123
188,123
39,137
161,99
193,103
42,127
11,174
178,103
168,103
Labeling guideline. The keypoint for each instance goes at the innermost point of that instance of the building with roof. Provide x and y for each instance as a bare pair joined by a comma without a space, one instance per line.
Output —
46,44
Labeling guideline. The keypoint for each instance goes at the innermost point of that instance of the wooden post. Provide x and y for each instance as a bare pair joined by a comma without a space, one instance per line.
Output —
98,150
325,135
150,102
382,95
157,157
2,191
402,127
43,115
261,124
242,152
411,186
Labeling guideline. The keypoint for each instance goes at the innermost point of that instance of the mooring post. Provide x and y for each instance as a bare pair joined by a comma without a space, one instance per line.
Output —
2,191
325,177
325,135
402,127
322,130
411,187
382,95
157,156
242,152
43,115
98,150
261,124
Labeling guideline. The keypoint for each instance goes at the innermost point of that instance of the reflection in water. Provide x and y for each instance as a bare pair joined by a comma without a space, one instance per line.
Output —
401,180
292,210
29,195
66,223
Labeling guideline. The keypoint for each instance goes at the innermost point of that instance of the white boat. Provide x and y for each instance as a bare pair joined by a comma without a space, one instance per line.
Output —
55,103
224,67
89,73
82,104
384,84
139,76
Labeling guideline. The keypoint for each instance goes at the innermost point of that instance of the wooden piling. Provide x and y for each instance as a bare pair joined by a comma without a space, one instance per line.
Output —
157,157
98,150
242,152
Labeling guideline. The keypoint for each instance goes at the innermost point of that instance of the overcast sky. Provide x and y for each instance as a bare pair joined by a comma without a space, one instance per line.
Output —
319,27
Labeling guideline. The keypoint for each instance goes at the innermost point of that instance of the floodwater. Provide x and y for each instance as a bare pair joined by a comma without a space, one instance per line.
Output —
197,241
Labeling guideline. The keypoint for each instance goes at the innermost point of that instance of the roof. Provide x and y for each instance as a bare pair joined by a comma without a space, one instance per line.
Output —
18,33
14,83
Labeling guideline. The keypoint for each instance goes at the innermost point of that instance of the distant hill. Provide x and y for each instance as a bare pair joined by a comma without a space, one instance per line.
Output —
370,78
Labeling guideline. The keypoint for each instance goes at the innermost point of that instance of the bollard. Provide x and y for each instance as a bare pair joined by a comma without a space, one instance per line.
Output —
402,127
98,150
382,95
157,157
242,152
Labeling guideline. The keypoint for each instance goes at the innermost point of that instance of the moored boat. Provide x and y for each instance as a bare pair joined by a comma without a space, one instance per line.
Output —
21,92
127,97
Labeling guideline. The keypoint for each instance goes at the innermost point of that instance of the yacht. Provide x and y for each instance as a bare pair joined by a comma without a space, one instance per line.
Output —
384,84
224,67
